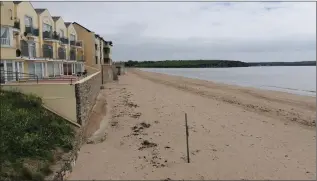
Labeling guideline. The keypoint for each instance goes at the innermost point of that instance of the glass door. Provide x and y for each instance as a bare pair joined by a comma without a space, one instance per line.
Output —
10,71
38,70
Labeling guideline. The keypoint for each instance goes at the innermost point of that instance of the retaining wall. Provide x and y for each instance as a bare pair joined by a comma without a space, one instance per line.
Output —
58,98
86,91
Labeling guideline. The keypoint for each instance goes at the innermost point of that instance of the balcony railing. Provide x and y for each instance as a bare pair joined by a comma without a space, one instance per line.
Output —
31,31
51,35
5,41
16,24
106,60
76,43
106,50
47,34
64,40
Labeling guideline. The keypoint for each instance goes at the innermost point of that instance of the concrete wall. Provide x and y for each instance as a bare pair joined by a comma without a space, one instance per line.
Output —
86,92
6,17
108,73
60,98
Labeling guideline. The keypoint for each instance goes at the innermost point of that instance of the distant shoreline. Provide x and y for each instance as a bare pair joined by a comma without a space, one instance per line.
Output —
210,64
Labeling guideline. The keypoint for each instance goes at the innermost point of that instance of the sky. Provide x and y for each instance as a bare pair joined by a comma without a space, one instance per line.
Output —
245,31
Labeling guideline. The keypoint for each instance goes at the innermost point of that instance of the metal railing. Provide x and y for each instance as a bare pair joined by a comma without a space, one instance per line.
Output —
32,31
9,76
16,24
5,41
50,35
64,40
106,50
47,34
76,43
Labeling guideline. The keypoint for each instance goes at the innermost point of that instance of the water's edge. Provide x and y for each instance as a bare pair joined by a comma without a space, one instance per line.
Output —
244,84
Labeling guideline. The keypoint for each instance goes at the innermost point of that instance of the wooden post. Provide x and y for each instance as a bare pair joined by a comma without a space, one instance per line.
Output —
187,135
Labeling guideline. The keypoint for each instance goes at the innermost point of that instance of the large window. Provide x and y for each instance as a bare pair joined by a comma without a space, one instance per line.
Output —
28,21
47,27
72,37
6,33
61,33
32,51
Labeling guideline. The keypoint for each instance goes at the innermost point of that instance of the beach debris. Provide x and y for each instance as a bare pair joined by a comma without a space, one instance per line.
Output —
147,144
136,115
167,179
114,123
145,125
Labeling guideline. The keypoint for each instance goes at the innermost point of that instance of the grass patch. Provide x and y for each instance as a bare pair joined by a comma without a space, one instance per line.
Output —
29,137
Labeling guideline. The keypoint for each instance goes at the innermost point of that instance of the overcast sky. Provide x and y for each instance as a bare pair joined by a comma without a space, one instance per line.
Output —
246,31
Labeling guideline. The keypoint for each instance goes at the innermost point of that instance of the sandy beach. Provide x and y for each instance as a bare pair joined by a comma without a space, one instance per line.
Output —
234,132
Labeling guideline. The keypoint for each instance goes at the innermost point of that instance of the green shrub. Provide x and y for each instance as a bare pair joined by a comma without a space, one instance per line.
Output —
29,131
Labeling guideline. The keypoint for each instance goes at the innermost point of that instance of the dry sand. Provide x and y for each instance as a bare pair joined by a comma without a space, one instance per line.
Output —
235,132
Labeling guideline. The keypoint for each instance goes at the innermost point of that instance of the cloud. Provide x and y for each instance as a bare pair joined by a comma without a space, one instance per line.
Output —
249,31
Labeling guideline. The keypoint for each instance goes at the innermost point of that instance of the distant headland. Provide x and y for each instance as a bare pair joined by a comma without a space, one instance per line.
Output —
210,64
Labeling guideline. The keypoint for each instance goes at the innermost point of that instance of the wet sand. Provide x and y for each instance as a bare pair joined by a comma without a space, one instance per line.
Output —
235,132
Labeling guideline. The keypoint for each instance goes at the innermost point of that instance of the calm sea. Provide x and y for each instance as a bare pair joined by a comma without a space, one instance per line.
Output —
298,80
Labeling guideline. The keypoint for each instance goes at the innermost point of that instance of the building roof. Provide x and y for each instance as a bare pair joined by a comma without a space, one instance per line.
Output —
82,26
39,11
17,2
55,18
67,24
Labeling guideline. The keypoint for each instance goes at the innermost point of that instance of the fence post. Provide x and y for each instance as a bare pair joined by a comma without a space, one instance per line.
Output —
187,135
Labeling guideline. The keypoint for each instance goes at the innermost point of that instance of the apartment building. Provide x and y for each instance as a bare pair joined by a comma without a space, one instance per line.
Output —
95,50
15,31
35,43
107,52
98,50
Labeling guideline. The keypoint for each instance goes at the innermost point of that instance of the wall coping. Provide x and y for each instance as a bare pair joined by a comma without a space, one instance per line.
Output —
87,78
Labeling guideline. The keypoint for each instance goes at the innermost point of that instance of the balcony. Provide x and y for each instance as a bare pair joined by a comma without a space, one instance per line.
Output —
5,41
106,50
64,40
16,26
30,31
106,60
51,36
77,44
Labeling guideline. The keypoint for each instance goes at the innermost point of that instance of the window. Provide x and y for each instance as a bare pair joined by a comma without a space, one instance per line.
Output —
6,36
32,52
96,60
28,21
72,37
47,27
61,33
